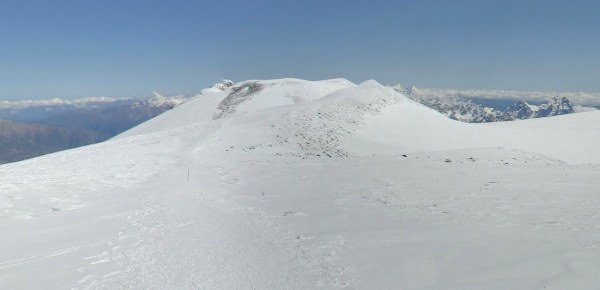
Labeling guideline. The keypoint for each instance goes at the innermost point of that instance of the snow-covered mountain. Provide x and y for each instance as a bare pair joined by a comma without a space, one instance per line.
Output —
555,106
157,100
466,111
588,99
299,184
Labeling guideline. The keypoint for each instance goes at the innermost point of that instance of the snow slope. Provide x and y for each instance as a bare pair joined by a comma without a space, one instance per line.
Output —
306,185
399,129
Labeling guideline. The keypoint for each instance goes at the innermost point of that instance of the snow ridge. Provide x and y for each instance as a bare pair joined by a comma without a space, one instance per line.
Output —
309,185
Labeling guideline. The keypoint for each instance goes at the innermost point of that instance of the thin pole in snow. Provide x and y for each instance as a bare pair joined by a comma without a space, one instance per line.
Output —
188,175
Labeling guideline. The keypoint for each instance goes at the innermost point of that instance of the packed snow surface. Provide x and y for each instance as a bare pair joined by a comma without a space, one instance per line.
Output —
293,184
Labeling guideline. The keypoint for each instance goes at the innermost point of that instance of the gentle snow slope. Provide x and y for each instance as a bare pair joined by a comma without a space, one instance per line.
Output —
304,185
372,119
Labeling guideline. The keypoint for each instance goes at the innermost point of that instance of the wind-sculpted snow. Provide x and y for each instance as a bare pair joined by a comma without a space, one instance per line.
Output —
309,185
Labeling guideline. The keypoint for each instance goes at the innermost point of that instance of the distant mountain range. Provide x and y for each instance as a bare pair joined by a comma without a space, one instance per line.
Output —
20,141
466,110
494,98
36,127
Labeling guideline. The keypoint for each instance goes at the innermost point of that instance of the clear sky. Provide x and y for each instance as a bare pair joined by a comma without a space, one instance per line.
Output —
79,48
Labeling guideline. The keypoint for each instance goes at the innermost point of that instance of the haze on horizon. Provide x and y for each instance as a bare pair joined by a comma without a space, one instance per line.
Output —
116,48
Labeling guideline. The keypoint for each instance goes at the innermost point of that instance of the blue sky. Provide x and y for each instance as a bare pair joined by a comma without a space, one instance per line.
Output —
130,48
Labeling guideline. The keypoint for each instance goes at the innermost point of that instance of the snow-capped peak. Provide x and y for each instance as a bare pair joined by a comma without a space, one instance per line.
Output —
158,100
553,107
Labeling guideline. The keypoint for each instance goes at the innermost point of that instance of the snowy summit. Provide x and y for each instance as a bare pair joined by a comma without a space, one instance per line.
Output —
288,183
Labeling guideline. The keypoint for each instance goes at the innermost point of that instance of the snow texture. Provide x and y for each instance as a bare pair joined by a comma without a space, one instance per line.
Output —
309,185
